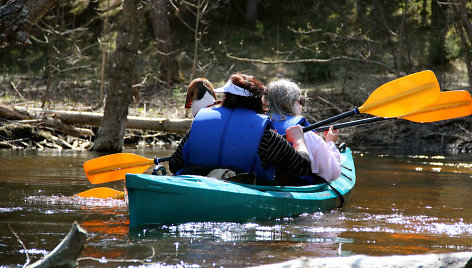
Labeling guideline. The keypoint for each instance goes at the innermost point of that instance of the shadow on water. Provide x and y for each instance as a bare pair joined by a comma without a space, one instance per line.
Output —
402,204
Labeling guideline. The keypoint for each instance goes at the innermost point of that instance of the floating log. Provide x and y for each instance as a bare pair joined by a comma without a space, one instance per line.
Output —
178,126
458,259
66,253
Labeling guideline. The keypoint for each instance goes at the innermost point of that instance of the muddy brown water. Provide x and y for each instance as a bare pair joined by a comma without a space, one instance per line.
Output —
402,204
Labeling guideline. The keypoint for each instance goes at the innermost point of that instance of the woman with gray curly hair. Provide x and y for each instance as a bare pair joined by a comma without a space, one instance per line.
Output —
284,99
285,107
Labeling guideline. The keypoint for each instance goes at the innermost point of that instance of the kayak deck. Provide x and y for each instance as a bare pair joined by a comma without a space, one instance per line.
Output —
187,198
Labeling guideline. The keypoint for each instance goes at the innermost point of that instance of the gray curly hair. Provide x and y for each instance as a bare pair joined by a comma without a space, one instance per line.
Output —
281,96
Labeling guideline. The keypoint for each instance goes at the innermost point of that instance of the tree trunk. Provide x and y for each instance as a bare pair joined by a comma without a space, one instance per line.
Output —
437,49
196,36
112,128
463,27
251,12
424,12
169,69
18,17
463,12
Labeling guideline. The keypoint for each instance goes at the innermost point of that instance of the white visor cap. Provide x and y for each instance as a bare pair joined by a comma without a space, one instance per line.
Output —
229,87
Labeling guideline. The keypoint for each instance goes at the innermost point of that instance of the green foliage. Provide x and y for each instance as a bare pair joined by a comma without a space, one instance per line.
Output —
395,33
454,48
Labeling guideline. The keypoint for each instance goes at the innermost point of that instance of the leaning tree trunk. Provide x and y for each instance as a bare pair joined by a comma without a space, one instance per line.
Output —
169,69
467,38
437,47
17,17
119,96
463,25
251,12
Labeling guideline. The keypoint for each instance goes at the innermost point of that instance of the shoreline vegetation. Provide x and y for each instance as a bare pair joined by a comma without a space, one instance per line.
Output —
161,119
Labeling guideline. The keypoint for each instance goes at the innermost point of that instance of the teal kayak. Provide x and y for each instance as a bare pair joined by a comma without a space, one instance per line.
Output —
168,199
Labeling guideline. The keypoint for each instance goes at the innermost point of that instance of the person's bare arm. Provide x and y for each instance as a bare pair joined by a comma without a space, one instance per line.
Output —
295,136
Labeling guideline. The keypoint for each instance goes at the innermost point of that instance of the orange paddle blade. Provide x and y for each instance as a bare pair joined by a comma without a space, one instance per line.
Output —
113,167
403,95
450,104
102,192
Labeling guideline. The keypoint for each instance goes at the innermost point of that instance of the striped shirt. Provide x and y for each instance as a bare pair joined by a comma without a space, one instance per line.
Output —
273,150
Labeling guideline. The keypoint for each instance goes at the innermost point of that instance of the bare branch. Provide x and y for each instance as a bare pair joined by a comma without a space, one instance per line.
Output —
28,260
190,4
310,31
340,58
339,110
386,25
180,17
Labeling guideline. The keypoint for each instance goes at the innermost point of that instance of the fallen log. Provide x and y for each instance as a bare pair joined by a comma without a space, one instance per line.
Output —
67,129
178,126
66,253
10,114
22,116
458,259
47,129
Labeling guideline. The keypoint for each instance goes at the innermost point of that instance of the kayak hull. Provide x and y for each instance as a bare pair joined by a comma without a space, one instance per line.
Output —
165,199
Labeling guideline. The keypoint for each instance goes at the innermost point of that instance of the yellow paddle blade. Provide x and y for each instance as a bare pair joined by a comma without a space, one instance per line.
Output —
403,95
102,192
450,104
113,167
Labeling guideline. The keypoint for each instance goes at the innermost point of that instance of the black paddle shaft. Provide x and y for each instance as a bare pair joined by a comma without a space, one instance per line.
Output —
352,123
330,120
162,159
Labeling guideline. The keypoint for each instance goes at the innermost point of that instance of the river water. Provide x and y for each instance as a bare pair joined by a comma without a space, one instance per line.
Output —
402,204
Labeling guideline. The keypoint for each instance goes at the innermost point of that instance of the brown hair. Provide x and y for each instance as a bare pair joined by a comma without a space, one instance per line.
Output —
257,89
197,89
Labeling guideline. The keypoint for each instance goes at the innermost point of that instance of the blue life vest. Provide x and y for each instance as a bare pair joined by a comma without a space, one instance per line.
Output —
227,138
281,125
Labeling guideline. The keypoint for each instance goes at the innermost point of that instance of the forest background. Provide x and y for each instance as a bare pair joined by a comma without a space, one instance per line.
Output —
137,57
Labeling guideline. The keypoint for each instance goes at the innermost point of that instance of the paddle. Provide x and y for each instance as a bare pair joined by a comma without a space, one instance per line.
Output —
449,105
113,167
102,192
395,98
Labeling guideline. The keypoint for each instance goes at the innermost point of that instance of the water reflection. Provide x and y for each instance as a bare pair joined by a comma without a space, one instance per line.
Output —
402,204
237,232
276,240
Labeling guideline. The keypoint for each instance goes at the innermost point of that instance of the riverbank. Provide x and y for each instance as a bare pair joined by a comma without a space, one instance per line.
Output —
44,129
323,101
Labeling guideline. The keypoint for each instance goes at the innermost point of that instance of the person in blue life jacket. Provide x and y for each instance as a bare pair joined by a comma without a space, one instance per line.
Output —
237,136
285,107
